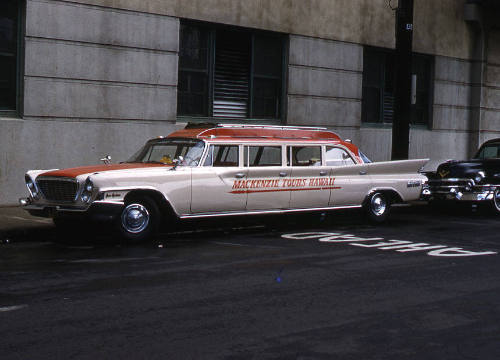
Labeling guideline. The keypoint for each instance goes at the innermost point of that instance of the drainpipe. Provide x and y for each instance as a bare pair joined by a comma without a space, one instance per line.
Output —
473,15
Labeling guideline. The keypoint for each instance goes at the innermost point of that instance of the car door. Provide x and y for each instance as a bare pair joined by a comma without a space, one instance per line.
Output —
310,180
266,176
215,184
351,181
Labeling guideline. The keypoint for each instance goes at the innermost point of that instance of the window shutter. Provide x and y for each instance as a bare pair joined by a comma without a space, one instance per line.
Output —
231,77
388,107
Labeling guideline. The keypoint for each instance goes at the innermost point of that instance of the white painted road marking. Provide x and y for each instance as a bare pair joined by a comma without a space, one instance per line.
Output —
12,308
396,245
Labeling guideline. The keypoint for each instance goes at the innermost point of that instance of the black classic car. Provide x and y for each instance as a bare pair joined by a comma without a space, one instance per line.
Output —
476,180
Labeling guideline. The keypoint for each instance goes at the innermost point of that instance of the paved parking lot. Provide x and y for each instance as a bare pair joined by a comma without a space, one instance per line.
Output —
425,285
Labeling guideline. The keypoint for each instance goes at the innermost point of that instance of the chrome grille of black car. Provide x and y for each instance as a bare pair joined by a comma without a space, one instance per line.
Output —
58,190
444,185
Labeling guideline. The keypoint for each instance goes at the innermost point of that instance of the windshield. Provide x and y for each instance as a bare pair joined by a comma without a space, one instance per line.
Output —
489,151
364,157
165,151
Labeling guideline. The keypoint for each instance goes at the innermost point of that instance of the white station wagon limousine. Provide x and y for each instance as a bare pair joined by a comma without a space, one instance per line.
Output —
225,170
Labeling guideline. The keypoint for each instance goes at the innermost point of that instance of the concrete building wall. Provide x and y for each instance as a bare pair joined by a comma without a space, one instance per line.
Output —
438,29
324,84
490,104
97,81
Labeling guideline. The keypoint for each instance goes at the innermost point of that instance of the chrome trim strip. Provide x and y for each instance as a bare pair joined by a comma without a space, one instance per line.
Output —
108,202
266,212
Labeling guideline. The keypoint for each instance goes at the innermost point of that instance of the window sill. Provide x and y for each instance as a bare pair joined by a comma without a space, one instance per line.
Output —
376,125
9,115
193,119
389,126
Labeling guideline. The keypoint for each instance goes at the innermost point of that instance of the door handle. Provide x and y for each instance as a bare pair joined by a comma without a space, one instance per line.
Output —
239,175
362,172
283,174
322,173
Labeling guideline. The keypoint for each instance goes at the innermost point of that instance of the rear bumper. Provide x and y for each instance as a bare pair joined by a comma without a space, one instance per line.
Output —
97,211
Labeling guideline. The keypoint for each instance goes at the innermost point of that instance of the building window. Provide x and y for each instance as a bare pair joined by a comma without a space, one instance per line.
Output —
227,72
379,83
10,11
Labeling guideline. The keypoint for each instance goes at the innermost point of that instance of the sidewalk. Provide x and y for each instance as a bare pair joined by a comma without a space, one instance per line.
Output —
15,222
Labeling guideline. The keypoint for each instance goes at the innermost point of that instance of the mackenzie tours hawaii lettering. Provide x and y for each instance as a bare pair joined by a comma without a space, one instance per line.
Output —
271,185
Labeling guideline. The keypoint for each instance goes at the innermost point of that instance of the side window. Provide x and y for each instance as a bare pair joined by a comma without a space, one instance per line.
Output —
263,156
338,157
305,155
222,156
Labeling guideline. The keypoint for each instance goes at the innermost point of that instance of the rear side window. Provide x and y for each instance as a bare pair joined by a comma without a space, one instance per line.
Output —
304,155
262,156
337,157
222,156
489,151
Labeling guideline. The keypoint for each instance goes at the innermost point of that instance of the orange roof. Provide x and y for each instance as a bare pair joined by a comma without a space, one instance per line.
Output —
258,133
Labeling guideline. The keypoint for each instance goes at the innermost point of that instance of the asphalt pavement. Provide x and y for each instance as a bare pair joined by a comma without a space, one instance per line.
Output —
424,285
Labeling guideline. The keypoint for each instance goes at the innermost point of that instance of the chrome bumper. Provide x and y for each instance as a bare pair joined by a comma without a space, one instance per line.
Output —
461,190
98,210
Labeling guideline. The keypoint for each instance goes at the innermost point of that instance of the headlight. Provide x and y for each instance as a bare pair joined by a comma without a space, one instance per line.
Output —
33,190
479,177
87,191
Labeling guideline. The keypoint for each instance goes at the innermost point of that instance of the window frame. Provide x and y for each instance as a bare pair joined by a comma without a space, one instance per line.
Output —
246,155
341,148
289,155
377,52
21,22
282,99
209,154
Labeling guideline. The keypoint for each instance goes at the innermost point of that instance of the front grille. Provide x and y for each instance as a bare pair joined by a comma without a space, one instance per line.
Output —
444,185
58,190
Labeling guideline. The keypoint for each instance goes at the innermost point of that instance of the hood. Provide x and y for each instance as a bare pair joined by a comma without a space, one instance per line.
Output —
76,171
466,168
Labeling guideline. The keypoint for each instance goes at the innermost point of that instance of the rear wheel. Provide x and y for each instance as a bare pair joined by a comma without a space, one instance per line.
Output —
377,207
139,219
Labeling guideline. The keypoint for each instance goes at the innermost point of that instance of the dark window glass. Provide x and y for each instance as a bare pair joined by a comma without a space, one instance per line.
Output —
222,156
378,87
263,156
227,72
305,156
9,17
421,110
193,71
267,79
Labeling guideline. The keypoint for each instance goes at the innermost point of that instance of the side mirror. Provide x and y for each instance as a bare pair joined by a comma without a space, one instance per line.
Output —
177,161
106,159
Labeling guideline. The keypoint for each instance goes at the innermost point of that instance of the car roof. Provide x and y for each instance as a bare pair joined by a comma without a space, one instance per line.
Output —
258,133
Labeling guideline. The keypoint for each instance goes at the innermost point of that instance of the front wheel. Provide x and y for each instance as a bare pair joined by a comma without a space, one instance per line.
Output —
495,204
377,207
139,220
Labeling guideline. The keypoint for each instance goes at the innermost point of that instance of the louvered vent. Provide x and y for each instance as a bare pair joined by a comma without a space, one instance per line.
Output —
388,107
231,80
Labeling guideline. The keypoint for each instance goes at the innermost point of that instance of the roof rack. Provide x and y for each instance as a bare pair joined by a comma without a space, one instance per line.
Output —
275,127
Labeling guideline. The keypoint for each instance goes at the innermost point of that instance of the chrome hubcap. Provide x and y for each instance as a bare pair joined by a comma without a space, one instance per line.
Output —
135,218
378,204
496,199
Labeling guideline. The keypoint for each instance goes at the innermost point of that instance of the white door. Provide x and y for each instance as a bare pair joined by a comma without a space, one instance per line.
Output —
310,180
215,185
266,178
